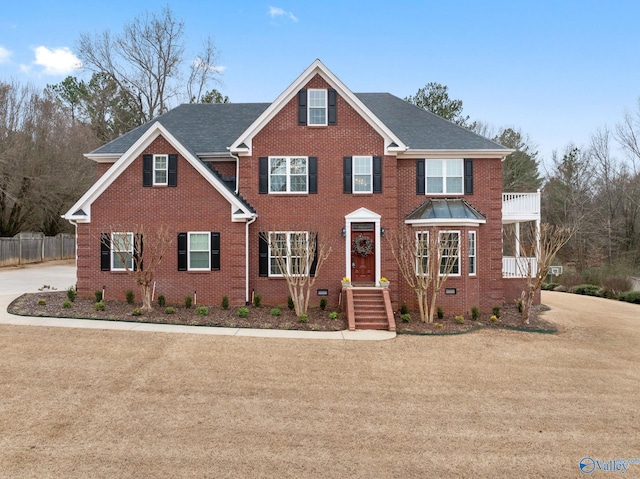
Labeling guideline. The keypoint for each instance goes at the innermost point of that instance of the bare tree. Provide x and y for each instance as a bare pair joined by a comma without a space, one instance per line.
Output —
139,250
425,259
535,268
146,60
298,257
203,71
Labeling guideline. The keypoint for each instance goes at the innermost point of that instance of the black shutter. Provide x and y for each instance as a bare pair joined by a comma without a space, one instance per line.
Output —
346,174
313,174
173,170
137,252
468,176
332,100
302,107
420,173
377,174
215,251
263,172
182,251
314,264
263,248
105,252
147,170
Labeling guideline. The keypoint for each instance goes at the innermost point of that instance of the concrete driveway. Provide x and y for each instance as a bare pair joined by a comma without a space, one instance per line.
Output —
28,279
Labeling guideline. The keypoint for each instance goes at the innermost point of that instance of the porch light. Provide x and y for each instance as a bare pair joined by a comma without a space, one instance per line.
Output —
382,232
344,232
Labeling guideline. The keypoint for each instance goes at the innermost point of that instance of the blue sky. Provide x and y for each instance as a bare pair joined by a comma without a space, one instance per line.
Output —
558,70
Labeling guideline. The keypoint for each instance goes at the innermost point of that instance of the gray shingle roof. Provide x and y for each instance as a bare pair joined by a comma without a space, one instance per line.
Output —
202,128
212,128
420,129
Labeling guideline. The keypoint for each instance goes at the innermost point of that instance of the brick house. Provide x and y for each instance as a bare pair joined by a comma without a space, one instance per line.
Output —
319,158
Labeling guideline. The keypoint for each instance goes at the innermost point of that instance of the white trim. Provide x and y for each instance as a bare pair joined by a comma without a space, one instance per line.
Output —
363,215
156,130
155,170
316,68
325,108
459,233
208,234
445,162
103,157
408,153
288,174
446,222
353,174
475,253
112,251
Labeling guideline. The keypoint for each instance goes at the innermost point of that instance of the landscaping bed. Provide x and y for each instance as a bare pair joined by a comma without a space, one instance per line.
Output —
50,304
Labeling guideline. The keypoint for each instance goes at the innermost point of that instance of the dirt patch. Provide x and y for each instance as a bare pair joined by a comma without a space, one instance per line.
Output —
50,304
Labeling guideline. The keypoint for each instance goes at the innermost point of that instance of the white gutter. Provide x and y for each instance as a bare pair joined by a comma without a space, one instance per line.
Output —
237,171
246,248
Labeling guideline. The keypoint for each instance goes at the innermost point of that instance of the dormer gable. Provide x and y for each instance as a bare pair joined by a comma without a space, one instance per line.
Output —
316,107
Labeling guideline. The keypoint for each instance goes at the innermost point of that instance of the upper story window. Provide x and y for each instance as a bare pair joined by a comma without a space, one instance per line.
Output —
444,177
363,174
317,107
288,174
160,170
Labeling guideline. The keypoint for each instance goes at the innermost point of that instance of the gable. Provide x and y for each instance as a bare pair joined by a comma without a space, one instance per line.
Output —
243,145
239,210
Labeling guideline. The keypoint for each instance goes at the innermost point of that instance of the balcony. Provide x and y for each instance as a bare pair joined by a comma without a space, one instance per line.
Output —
513,267
518,207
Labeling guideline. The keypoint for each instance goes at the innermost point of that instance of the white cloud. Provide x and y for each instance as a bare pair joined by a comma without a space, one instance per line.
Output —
4,55
279,12
59,61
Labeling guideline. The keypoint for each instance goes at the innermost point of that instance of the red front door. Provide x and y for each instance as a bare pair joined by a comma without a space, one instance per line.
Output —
363,252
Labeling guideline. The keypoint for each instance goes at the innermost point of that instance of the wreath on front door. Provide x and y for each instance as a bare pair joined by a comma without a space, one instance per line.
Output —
362,245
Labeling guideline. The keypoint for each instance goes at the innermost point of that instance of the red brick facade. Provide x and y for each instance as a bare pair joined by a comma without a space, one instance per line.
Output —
195,205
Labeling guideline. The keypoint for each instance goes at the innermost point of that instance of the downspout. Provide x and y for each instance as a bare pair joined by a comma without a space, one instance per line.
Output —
237,171
246,262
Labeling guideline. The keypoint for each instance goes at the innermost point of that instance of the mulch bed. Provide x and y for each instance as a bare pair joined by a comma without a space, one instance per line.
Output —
259,317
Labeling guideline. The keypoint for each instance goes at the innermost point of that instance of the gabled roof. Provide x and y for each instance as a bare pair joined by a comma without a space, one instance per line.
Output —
316,68
81,210
215,129
445,212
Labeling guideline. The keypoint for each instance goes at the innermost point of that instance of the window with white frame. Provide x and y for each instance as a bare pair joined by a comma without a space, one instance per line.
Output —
160,169
121,251
199,251
288,174
449,245
363,174
317,107
288,250
472,253
422,253
444,177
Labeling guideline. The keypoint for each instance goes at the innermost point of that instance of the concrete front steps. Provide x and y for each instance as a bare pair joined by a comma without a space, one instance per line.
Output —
369,308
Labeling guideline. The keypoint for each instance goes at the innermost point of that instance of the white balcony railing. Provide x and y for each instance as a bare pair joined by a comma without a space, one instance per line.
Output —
525,206
520,267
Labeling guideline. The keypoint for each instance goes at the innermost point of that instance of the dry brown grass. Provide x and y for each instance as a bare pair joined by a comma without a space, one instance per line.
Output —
86,403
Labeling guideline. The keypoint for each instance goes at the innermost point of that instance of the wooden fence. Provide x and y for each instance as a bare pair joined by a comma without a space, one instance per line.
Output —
26,248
